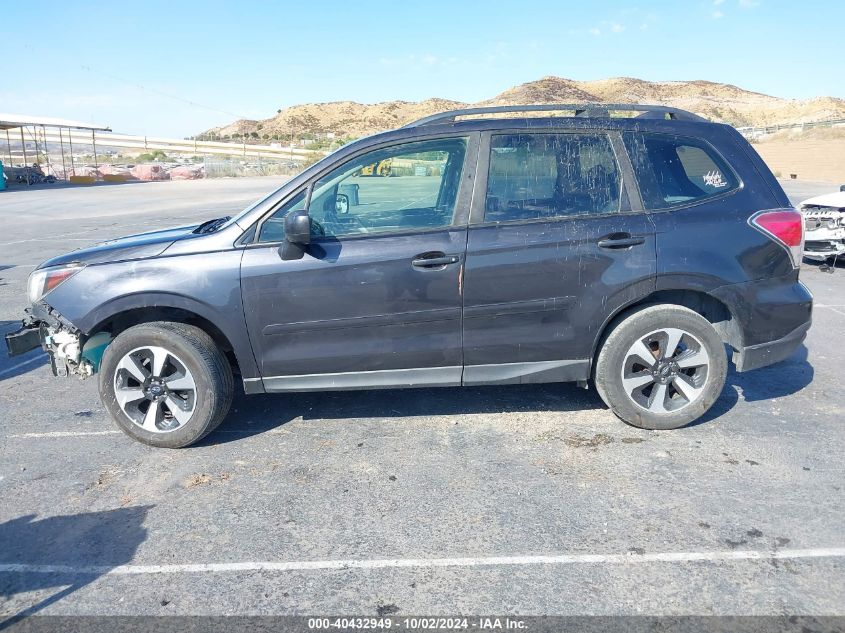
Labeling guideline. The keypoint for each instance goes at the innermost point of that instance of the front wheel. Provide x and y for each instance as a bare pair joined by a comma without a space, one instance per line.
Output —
661,367
166,384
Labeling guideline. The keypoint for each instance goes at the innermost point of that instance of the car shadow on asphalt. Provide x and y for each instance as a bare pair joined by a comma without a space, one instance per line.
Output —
776,381
65,553
252,415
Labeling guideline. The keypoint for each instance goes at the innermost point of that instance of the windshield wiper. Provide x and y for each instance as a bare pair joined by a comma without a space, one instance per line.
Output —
211,225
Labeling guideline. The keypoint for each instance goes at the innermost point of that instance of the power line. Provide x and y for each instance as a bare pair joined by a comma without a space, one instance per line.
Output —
162,93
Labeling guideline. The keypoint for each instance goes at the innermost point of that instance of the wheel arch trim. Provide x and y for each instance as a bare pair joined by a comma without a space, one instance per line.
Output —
154,306
728,329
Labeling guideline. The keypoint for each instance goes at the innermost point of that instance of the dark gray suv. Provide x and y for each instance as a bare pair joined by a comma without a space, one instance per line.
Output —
619,251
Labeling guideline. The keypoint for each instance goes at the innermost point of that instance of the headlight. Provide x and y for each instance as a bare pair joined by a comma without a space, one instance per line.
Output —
43,281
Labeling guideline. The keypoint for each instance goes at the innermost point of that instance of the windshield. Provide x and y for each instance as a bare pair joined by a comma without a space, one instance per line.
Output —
234,219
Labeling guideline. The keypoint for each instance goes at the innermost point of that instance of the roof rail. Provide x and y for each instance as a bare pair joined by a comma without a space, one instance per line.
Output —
581,110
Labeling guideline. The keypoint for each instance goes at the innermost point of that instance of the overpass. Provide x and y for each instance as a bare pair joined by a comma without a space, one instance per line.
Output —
172,145
43,131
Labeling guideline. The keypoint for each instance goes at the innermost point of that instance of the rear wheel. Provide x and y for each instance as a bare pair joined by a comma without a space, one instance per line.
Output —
166,384
661,367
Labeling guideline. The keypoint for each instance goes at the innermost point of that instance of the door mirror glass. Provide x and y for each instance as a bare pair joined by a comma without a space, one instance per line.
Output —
341,204
351,192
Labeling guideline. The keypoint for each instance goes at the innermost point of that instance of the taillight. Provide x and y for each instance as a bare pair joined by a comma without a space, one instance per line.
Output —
786,227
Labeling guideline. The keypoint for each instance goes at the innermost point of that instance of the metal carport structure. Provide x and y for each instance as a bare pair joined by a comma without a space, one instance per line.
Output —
29,125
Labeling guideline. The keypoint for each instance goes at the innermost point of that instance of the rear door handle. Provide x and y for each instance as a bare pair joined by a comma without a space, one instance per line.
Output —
434,260
620,240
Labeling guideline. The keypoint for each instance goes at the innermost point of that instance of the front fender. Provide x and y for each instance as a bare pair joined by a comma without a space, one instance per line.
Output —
206,284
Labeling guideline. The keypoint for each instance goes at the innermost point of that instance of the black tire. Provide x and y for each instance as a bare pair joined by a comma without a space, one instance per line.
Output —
638,325
207,364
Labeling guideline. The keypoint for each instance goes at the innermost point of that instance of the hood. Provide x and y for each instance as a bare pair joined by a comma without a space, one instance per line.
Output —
834,200
138,246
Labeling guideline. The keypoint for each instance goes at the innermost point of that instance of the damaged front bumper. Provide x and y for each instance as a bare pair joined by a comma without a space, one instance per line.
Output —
824,234
65,344
822,250
23,340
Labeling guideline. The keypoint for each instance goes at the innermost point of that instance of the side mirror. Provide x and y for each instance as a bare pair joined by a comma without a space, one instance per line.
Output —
341,204
350,190
298,227
297,235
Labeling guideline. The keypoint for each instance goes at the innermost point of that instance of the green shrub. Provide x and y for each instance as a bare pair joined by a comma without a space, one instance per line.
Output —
152,157
310,159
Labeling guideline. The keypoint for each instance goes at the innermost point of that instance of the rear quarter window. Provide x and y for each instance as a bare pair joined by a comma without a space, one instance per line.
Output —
677,170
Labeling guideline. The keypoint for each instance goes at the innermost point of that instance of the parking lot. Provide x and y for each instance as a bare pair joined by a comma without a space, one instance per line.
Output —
516,499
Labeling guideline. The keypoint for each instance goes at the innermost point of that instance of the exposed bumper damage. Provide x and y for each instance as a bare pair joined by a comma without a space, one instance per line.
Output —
26,339
71,353
824,227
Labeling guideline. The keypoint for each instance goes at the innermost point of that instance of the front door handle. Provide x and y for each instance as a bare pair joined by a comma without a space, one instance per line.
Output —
620,240
434,260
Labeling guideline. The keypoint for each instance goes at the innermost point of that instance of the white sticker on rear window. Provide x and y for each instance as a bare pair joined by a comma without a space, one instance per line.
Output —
714,178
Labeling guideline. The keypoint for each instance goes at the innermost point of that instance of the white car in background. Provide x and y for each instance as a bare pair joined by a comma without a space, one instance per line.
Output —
824,226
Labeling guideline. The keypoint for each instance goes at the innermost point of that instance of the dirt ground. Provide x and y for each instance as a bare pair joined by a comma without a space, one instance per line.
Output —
809,157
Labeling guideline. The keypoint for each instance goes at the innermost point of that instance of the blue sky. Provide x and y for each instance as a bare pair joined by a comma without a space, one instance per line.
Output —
176,68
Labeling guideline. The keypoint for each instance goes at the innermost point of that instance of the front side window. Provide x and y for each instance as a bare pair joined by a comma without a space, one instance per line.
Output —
401,188
273,230
534,176
675,170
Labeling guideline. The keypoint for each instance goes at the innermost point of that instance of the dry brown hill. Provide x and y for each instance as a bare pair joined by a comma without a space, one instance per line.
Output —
715,101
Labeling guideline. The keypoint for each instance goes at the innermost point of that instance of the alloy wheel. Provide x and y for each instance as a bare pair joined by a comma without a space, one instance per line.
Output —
665,370
155,389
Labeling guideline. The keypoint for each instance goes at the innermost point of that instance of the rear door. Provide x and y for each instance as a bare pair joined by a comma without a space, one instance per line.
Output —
557,243
375,300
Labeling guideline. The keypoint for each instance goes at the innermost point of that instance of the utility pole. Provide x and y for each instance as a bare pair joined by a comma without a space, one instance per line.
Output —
94,143
62,146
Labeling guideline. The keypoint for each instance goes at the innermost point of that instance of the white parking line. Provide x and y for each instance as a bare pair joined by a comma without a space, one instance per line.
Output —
428,563
11,369
65,434
49,434
833,308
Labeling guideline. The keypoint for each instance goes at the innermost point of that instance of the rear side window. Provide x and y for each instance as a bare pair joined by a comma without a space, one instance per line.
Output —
535,176
675,170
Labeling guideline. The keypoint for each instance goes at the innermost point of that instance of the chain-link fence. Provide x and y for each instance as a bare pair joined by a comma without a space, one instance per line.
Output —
219,167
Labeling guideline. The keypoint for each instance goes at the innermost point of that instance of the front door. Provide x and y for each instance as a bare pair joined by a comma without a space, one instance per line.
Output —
376,299
554,248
